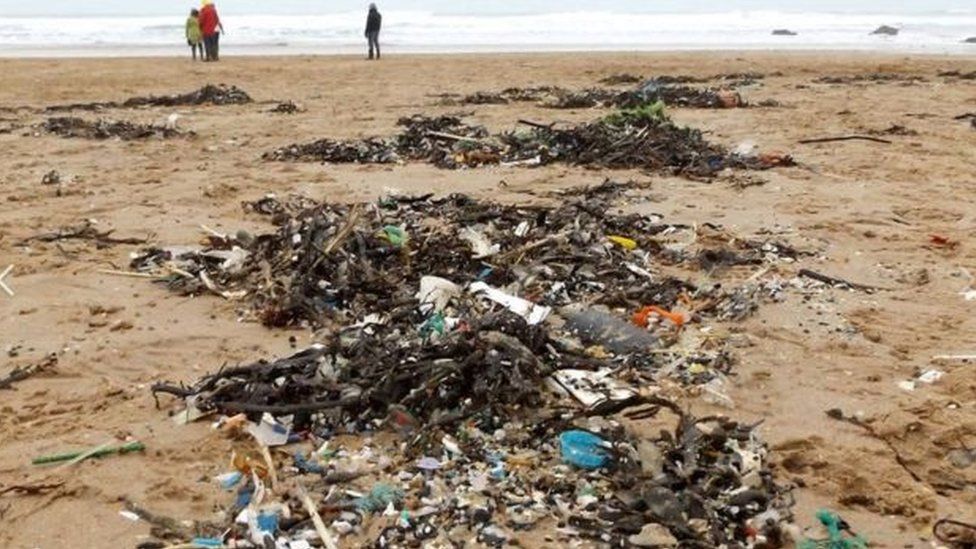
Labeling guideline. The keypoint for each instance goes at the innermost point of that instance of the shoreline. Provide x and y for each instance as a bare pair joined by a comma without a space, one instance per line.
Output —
123,51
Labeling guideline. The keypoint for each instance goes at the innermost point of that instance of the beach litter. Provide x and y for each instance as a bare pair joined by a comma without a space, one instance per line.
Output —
96,452
670,91
839,534
642,137
286,107
210,94
73,127
488,351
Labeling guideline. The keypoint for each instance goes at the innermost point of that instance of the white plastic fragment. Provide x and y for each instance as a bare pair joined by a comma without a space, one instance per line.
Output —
269,432
435,293
480,244
931,376
532,313
590,388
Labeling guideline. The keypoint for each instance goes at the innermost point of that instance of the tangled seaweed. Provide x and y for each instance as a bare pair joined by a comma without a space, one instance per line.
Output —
107,129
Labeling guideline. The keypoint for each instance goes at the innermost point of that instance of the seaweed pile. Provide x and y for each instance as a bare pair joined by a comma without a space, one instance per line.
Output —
636,138
492,339
875,77
210,94
334,263
107,129
671,92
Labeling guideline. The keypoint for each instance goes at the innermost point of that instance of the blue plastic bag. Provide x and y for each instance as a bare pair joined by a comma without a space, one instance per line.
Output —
584,450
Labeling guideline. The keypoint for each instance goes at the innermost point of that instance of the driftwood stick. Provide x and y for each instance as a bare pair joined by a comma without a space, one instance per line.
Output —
844,138
286,409
829,280
20,374
30,489
320,528
130,274
539,125
452,137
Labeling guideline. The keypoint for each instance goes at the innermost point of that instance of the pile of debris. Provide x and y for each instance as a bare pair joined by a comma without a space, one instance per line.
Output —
877,78
208,95
641,138
499,342
329,262
621,79
286,107
650,92
68,126
657,89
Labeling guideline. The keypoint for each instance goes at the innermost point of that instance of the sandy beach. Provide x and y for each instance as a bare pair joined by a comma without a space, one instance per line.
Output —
899,216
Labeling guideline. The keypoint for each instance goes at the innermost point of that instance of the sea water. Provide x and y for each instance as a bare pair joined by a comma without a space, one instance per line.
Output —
138,27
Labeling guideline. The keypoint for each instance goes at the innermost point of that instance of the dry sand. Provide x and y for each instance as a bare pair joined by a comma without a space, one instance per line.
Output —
869,209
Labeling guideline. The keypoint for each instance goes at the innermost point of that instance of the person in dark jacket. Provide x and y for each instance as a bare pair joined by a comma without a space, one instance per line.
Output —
373,23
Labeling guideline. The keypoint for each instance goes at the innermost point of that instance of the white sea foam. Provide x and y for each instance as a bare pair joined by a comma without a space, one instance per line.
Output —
412,31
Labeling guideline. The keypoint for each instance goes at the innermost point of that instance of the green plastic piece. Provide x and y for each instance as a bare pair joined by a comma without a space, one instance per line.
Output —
395,235
835,535
68,456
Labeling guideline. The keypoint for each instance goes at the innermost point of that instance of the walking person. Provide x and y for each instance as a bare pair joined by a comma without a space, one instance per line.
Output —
193,35
210,27
373,23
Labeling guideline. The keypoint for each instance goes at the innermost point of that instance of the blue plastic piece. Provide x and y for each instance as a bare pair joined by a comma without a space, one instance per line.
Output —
584,450
306,466
267,522
207,542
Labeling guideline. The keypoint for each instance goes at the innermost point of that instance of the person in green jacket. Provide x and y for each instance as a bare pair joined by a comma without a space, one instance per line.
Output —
194,36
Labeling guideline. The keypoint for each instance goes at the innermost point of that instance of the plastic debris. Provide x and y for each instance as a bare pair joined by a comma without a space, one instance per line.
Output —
379,498
269,432
97,452
839,534
532,313
584,450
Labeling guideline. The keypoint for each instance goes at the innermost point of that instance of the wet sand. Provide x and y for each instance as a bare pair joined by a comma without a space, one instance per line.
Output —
868,209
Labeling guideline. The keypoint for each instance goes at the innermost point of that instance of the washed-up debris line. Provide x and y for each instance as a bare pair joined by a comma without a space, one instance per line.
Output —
635,138
971,75
85,230
621,79
73,127
494,459
894,129
735,79
672,93
208,95
331,262
877,78
498,342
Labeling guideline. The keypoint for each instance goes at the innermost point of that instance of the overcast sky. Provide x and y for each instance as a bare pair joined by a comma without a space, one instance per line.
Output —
166,7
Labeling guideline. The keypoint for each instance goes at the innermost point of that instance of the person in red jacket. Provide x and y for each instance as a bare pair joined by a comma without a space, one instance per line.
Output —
210,27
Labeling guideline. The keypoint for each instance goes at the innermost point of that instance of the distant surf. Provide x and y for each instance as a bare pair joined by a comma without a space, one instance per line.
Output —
420,31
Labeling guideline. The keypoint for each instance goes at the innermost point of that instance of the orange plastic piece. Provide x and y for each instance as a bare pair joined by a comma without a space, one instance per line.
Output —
940,240
642,318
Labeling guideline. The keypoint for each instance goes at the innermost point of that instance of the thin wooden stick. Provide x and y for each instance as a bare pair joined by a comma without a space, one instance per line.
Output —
272,473
323,532
844,138
130,274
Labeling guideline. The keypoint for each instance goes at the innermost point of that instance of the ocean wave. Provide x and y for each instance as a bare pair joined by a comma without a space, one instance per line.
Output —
595,29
